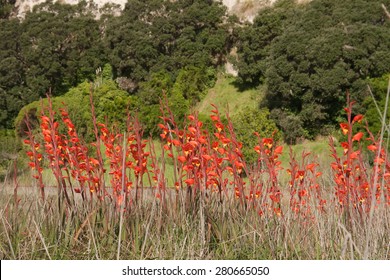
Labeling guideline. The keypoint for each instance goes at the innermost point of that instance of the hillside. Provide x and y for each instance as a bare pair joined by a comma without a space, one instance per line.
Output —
226,96
303,58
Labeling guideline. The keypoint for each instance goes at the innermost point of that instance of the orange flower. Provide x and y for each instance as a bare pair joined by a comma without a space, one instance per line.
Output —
345,147
192,130
311,166
182,159
214,118
268,142
190,181
206,157
278,212
176,142
372,147
355,155
279,150
300,175
358,136
344,128
219,126
357,118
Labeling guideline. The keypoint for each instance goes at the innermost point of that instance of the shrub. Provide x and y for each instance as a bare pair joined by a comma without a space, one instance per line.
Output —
248,121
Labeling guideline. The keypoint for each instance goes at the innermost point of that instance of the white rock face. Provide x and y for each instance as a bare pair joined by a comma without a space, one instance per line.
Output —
244,9
24,6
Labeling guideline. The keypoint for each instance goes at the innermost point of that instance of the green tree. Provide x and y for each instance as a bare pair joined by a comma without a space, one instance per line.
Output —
318,52
55,47
6,7
192,83
152,36
254,41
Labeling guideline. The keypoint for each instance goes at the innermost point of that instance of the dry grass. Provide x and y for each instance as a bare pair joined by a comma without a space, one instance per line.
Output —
31,229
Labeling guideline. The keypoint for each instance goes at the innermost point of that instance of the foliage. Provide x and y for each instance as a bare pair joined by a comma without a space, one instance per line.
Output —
290,124
111,105
58,46
248,121
254,41
152,36
9,149
54,48
379,87
6,7
192,83
312,55
184,91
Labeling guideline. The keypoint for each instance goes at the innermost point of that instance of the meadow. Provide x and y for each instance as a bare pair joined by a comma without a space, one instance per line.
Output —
192,194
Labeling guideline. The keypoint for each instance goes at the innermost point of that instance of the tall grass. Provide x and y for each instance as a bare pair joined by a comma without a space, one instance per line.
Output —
112,198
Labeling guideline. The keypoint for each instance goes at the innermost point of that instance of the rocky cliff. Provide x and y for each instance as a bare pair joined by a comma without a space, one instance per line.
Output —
244,9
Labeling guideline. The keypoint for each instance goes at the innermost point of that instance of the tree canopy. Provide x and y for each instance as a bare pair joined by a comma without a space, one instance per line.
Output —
58,46
310,55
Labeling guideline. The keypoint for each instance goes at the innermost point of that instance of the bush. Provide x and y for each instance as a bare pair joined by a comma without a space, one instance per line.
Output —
246,123
9,148
290,124
111,104
379,89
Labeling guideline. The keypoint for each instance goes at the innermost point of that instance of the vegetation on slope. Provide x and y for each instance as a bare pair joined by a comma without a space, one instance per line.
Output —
298,59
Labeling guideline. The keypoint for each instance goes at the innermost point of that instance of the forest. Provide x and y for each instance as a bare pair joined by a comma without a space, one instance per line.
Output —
141,75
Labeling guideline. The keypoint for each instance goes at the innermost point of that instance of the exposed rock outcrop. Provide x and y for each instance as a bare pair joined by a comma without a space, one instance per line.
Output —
244,9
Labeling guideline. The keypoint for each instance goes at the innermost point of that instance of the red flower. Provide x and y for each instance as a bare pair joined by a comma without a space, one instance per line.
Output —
357,118
268,142
219,126
190,181
278,150
372,147
344,128
358,136
182,159
311,167
214,118
206,157
176,142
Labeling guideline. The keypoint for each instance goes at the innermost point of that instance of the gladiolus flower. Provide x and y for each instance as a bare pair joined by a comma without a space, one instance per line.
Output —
192,129
311,166
176,142
190,181
357,118
206,157
344,128
358,136
214,118
268,142
372,147
182,159
278,150
219,126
